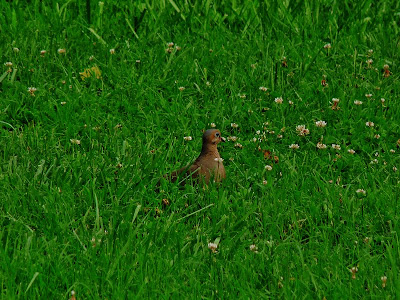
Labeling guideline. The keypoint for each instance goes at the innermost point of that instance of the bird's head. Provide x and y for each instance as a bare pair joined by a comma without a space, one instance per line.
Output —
213,137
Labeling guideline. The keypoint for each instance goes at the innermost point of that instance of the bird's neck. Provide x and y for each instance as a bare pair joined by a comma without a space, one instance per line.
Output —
210,149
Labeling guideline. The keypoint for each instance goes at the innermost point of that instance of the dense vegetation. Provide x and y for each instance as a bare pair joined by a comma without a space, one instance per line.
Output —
94,107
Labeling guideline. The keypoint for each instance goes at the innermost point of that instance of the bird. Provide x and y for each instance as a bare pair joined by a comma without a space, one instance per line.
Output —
207,166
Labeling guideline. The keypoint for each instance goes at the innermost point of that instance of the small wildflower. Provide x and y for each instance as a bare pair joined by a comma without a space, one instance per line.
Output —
32,90
238,145
165,202
232,138
63,102
268,167
369,61
335,105
263,88
253,248
383,279
368,95
284,62
386,72
112,51
72,295
351,151
61,51
138,61
327,46
258,132
279,100
219,159
181,88
208,83
377,136
8,64
75,141
392,151
213,247
361,192
264,182
187,138
370,52
321,145
323,81
234,125
353,272
254,139
170,44
367,239
42,53
302,130
374,161
213,125
178,48
394,169
15,49
336,146
358,102
294,146
91,57
290,102
369,124
320,124
279,136
242,96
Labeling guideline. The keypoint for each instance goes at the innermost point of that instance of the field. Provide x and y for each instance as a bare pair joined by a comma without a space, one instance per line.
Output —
95,102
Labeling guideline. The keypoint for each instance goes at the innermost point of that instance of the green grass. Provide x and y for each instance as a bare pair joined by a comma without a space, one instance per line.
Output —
90,218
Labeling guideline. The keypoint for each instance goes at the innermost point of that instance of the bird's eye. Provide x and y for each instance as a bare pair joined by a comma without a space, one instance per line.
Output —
217,134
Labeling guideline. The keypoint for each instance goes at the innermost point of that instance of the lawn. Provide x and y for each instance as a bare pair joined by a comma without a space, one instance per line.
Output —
95,104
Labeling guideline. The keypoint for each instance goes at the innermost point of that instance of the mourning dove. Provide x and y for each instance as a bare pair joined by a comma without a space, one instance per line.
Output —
208,164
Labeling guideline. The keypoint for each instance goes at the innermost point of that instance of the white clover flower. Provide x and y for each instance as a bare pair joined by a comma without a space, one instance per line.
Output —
219,159
336,146
351,151
358,102
320,124
61,51
112,51
213,247
268,167
213,125
370,124
321,146
234,125
294,146
279,100
75,141
253,248
187,138
361,192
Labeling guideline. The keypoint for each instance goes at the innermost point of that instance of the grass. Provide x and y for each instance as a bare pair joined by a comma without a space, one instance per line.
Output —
80,160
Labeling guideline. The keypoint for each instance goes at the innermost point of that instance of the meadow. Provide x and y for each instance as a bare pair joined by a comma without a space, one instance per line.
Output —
95,105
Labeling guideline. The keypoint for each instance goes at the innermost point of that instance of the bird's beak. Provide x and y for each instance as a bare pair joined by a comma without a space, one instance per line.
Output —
223,139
